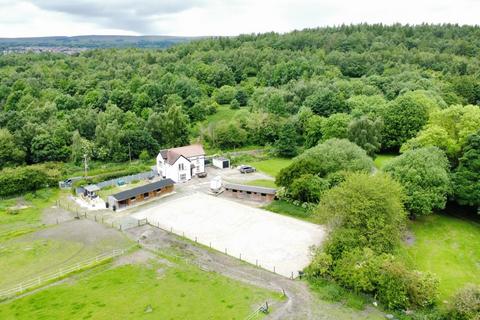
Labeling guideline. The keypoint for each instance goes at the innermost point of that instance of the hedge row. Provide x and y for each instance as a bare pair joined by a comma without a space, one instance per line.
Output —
19,180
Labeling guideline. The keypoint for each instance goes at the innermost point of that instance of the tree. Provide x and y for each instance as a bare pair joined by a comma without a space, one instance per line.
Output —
405,117
313,130
447,129
176,127
10,153
326,158
308,188
371,106
424,173
80,147
335,126
225,94
286,145
363,211
466,178
325,102
229,135
366,134
234,104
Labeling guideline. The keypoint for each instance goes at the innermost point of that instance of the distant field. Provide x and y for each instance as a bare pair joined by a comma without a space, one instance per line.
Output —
148,291
448,247
382,159
271,166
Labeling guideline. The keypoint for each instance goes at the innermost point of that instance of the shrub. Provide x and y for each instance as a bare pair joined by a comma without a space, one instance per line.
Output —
465,304
320,266
392,285
422,288
144,156
28,178
331,156
363,211
357,270
308,188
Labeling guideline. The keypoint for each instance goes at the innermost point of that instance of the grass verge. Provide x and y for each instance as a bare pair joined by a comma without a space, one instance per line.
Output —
286,208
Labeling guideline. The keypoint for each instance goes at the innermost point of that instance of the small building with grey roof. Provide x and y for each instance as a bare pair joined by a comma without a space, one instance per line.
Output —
246,192
139,194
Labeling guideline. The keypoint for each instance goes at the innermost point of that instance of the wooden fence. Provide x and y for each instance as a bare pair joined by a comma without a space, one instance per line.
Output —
29,284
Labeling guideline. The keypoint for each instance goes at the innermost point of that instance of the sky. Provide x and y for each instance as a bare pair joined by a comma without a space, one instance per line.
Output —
31,18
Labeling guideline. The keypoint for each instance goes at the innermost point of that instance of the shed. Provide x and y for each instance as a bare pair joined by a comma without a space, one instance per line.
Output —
90,190
241,191
129,197
221,162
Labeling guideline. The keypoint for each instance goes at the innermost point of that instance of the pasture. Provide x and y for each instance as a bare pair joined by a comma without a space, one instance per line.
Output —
447,246
147,289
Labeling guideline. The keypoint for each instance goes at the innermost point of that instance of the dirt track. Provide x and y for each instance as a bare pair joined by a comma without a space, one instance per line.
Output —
301,303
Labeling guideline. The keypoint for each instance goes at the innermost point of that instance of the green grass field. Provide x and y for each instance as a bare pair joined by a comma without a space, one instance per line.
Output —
382,159
153,291
448,247
262,183
15,222
271,166
288,209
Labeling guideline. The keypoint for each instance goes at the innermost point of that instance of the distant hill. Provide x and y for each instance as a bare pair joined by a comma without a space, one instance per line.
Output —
109,41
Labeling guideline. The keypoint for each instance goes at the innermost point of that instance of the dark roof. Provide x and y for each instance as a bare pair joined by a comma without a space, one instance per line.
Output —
250,188
127,194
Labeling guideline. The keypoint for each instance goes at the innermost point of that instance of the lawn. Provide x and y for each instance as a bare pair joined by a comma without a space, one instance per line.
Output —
288,209
153,291
382,159
49,249
448,247
262,183
271,166
27,215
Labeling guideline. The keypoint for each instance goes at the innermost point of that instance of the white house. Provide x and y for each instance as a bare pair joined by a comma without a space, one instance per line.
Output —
181,164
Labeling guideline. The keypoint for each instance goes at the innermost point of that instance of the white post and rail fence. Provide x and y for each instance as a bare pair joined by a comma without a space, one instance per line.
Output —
42,279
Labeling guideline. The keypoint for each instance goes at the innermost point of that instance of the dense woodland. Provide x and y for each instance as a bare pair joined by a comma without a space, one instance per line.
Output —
333,97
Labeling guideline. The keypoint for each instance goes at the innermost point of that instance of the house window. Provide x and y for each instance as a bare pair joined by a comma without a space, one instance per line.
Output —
181,166
145,195
264,194
183,176
249,192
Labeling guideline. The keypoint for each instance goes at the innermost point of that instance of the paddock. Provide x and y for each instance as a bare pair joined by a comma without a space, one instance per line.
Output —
272,241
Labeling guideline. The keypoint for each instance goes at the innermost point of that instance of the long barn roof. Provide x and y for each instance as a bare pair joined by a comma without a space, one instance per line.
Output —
250,188
127,194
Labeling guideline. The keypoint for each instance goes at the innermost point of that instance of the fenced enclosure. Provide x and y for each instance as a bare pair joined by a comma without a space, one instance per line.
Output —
42,279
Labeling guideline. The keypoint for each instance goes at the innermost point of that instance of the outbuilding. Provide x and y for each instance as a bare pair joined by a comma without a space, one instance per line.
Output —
91,191
132,196
221,162
250,192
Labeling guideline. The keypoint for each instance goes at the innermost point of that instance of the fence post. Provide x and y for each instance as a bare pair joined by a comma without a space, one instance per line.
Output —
226,251
274,269
256,262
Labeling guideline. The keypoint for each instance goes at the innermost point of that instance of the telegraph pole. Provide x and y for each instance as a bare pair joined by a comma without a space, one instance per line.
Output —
85,163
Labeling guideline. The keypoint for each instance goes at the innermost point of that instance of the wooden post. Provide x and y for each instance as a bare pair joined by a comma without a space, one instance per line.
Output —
240,257
274,269
256,262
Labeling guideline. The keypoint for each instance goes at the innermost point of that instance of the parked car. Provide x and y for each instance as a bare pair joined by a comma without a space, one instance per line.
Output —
202,174
247,169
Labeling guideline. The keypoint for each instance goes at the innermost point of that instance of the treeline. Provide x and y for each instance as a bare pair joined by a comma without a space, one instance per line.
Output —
113,104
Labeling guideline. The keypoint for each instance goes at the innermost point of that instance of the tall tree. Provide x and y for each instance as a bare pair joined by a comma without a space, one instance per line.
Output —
466,178
366,134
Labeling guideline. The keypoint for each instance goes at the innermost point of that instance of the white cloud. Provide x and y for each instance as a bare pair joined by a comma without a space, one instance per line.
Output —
216,17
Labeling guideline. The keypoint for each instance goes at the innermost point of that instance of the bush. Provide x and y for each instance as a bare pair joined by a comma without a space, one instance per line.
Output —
144,156
331,156
422,288
465,304
308,188
357,270
392,285
363,211
320,266
28,178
